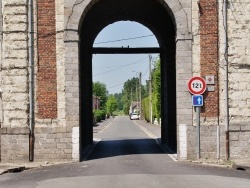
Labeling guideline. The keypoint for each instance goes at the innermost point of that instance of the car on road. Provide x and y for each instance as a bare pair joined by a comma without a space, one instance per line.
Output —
134,116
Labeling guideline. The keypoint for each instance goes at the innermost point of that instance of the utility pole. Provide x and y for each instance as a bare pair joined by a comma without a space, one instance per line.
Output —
136,90
131,101
140,95
150,91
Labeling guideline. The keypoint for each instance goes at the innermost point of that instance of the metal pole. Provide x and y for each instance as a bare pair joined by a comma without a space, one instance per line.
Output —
140,95
218,141
226,77
131,104
131,95
31,84
150,91
136,93
198,109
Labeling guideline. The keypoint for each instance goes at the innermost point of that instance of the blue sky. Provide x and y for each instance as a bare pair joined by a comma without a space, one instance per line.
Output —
115,69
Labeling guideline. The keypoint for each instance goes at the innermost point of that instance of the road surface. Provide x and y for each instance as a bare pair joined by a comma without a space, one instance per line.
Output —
125,157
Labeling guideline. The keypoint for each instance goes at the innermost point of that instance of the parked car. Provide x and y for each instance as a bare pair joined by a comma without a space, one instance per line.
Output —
134,116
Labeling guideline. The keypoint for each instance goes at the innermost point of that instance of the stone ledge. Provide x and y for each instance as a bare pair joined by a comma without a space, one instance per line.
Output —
39,130
15,131
239,128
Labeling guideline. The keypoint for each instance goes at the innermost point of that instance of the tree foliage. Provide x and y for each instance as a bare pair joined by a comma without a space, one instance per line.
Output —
111,104
156,94
130,89
130,93
145,108
100,90
156,87
99,115
118,97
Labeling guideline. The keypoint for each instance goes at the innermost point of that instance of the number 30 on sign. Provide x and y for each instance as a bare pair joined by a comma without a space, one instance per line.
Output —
197,85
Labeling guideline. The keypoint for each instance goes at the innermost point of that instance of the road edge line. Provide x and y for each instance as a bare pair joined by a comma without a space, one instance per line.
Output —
151,135
90,150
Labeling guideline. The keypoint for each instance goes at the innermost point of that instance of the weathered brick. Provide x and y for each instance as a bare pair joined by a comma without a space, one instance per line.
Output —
209,53
47,76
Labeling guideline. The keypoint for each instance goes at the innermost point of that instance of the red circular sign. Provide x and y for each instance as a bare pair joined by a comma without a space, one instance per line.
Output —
197,85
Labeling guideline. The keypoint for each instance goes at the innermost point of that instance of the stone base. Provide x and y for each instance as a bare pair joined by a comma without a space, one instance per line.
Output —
239,142
14,144
51,144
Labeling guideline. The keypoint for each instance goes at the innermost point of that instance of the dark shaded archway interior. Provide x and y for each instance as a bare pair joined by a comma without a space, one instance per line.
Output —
157,18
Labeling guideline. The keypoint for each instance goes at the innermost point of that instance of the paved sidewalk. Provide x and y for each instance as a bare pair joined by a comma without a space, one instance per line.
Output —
102,125
154,129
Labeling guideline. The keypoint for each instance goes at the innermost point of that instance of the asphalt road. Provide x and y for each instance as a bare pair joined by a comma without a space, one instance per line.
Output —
125,157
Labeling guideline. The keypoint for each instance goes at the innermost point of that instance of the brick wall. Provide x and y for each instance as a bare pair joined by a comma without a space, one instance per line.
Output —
46,75
209,52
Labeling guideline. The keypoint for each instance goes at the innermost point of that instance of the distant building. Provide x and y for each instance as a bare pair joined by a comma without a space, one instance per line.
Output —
134,107
96,103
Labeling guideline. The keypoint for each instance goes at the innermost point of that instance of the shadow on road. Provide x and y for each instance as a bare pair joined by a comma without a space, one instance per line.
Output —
112,148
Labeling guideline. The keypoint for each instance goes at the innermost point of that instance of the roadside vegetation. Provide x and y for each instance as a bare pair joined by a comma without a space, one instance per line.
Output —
119,103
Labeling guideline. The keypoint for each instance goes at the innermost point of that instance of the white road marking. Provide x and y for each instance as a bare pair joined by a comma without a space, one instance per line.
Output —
151,135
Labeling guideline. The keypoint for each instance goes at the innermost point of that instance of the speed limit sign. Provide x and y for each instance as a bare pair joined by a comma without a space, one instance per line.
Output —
197,85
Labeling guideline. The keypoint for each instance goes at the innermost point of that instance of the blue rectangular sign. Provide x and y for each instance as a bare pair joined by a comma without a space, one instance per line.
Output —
197,100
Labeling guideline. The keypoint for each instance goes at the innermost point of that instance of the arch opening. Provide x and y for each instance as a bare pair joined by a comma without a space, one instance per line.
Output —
114,70
155,17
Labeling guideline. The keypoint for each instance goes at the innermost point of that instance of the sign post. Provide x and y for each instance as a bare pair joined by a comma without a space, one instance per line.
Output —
198,111
197,86
197,102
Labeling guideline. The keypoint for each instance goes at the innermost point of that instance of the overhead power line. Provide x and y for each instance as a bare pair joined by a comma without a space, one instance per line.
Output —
115,86
139,61
118,40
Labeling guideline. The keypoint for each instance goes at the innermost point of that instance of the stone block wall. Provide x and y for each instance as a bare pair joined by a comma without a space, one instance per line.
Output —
211,57
14,83
1,102
57,80
208,142
239,76
14,144
53,144
191,142
239,141
14,64
238,60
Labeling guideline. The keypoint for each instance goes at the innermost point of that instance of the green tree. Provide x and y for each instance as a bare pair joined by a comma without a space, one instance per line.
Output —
100,90
130,89
111,104
156,87
145,108
118,97
156,93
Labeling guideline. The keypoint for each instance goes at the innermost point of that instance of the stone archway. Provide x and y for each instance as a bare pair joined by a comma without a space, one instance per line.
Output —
168,20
